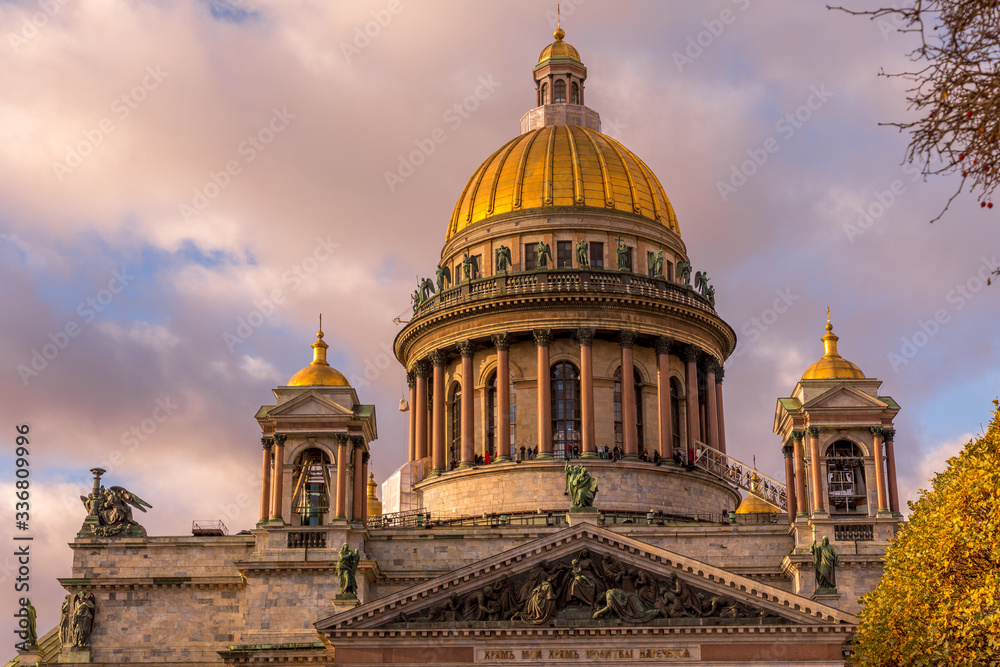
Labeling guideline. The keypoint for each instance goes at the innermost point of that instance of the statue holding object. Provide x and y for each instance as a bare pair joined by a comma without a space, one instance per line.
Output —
110,511
347,566
684,272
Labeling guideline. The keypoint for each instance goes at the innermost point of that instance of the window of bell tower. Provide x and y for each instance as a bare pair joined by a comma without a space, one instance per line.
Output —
845,465
559,90
574,93
311,483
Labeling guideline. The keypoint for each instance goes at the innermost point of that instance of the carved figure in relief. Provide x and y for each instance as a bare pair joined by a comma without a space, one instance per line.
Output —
627,606
540,604
581,587
478,606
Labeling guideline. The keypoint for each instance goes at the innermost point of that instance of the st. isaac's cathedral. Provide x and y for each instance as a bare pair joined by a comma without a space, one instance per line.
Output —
567,496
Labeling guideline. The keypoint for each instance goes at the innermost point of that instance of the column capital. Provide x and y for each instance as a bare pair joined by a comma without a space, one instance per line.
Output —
365,458
690,353
279,439
501,341
422,368
411,379
466,348
813,431
586,336
343,439
888,434
877,431
787,451
797,435
438,358
267,441
358,441
542,336
626,338
719,374
712,366
663,344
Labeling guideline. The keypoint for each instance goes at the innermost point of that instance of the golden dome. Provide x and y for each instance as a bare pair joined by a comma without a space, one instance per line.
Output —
831,365
562,165
559,49
754,505
319,372
374,504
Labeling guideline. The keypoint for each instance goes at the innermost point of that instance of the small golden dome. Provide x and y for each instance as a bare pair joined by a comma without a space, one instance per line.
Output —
559,49
319,372
831,365
754,505
562,165
374,504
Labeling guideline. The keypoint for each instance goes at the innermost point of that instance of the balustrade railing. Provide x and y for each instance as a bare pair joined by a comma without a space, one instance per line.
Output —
745,477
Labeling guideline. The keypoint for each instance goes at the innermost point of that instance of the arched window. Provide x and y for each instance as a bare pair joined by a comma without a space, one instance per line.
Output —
311,482
675,417
617,394
559,89
492,439
565,407
545,94
455,446
574,93
845,465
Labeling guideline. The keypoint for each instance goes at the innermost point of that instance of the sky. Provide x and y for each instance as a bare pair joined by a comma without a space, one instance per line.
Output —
186,185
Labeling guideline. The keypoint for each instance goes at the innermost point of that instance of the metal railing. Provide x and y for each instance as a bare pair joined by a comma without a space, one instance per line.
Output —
213,528
409,519
741,475
564,280
551,517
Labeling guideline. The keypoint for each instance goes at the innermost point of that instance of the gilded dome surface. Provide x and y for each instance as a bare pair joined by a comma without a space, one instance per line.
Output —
559,49
831,365
319,372
562,165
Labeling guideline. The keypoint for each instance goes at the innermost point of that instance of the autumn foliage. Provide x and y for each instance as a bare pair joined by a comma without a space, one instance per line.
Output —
938,602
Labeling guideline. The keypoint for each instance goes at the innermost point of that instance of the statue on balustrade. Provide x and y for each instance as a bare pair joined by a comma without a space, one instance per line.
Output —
655,262
582,254
624,260
503,258
470,266
825,562
543,254
443,276
426,289
684,273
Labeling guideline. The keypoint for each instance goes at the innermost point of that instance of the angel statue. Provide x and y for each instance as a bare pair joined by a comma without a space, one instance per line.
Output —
503,258
684,272
701,283
443,276
113,509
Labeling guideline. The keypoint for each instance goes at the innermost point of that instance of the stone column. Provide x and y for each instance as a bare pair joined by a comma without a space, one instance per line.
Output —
437,414
587,426
883,505
365,458
720,373
629,428
265,479
819,506
666,428
789,482
343,462
411,382
694,423
801,508
358,483
542,339
420,419
889,435
502,343
277,497
711,408
467,350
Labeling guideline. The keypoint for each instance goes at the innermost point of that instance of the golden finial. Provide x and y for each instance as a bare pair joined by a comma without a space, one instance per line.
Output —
829,327
319,347
558,34
830,339
319,334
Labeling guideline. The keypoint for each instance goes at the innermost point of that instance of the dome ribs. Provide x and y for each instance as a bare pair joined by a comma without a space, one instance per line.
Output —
519,176
609,193
636,204
496,174
577,178
549,165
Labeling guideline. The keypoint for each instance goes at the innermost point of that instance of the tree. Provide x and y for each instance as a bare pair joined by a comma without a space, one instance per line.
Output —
956,89
938,602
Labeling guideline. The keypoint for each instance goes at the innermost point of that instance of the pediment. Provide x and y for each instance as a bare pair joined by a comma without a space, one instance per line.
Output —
311,404
537,585
845,396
